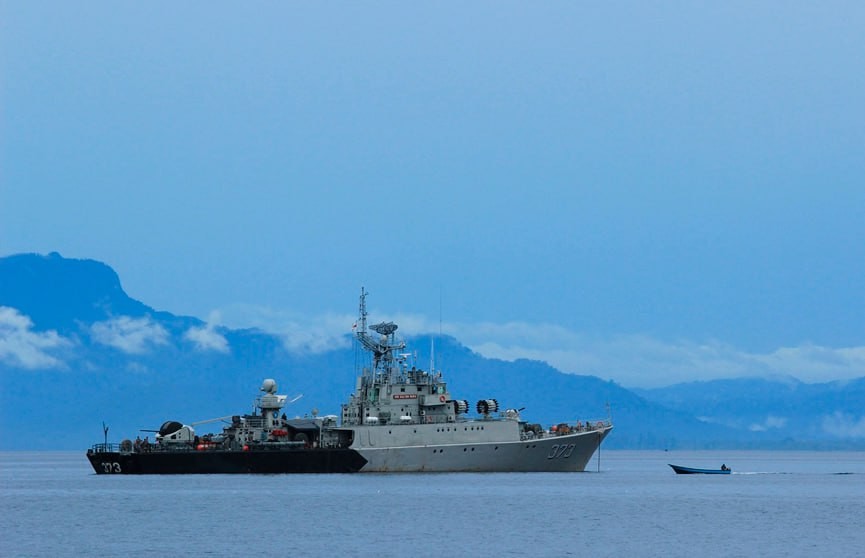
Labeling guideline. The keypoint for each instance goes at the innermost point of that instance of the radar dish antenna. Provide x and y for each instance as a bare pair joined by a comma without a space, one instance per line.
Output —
268,386
384,328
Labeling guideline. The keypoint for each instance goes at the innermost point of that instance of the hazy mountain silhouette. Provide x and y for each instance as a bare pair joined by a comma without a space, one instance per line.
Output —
75,350
785,408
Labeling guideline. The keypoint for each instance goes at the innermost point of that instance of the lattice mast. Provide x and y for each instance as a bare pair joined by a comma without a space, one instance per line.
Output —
384,348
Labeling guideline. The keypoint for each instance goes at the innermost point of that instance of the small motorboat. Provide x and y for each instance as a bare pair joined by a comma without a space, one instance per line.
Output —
724,470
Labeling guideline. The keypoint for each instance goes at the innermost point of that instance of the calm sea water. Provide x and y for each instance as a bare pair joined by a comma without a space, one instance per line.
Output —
775,504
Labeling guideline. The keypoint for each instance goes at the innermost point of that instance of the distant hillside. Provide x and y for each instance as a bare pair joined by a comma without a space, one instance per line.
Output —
829,414
75,351
61,294
58,293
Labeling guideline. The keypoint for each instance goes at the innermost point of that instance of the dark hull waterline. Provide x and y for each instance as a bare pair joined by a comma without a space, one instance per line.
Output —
228,462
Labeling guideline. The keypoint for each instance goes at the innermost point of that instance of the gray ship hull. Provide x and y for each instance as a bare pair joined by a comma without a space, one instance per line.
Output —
568,453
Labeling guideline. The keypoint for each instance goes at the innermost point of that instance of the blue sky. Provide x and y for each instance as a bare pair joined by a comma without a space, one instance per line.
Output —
648,192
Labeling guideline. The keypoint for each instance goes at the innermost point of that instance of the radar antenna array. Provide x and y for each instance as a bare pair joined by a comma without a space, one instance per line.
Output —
382,349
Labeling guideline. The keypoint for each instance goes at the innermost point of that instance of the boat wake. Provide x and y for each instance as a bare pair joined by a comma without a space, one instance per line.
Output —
785,473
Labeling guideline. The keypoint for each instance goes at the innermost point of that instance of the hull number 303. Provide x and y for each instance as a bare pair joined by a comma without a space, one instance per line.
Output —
562,451
112,467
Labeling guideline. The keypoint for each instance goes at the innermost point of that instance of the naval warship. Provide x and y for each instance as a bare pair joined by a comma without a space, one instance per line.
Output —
399,419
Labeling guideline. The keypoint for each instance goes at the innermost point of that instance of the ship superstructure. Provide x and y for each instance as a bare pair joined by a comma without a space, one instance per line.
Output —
391,391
